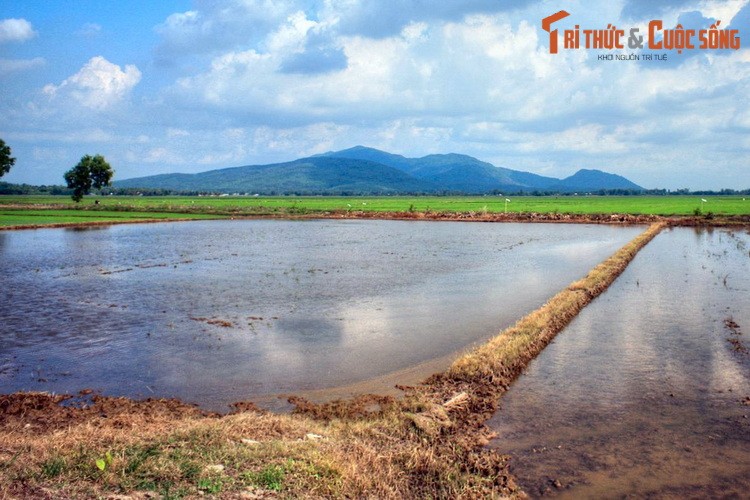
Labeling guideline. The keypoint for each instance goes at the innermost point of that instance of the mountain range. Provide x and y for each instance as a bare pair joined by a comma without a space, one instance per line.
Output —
363,170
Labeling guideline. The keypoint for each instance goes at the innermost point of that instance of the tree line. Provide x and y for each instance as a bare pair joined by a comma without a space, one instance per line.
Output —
92,172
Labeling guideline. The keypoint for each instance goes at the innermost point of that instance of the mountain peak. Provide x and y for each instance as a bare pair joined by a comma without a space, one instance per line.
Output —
592,180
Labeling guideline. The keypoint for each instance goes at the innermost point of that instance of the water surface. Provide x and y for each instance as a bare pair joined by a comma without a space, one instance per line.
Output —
218,311
646,393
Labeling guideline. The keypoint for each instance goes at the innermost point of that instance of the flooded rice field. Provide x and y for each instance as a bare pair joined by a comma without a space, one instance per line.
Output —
218,311
647,392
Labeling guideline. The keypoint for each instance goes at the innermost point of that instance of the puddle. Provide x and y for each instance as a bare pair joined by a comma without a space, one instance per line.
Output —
645,393
218,311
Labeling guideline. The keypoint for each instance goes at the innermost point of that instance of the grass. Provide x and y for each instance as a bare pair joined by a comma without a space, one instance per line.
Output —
236,205
428,444
21,217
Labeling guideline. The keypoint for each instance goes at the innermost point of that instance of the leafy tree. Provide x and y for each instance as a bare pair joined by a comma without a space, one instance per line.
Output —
6,161
91,171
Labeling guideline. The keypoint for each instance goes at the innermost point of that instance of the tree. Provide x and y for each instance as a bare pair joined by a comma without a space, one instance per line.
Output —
91,171
6,161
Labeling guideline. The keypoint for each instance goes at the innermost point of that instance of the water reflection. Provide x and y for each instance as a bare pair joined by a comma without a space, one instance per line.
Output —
644,393
218,311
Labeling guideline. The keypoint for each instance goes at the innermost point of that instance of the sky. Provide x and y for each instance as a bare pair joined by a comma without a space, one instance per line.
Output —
189,86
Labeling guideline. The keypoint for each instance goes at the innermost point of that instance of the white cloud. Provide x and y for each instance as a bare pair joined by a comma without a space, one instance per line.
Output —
98,85
220,25
162,155
13,65
590,138
723,10
177,132
83,135
89,30
16,30
482,65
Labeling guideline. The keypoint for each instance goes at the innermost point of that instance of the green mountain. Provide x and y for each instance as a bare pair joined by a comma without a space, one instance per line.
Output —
455,172
314,175
362,170
589,180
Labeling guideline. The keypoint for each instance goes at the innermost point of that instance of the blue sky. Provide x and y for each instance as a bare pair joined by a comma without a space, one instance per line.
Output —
188,86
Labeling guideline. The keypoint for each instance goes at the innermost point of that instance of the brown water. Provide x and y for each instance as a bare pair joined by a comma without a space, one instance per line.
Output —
645,394
218,311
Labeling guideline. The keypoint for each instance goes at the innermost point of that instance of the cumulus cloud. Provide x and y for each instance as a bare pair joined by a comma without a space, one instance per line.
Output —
98,85
310,45
481,67
16,30
219,25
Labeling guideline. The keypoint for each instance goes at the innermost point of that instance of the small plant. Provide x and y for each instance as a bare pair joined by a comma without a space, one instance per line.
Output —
411,208
697,212
103,463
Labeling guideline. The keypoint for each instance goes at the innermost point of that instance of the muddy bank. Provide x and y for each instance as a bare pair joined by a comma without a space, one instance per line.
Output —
45,413
500,217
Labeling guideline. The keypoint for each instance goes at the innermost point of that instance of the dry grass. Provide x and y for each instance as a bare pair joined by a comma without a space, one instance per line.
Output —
501,359
428,444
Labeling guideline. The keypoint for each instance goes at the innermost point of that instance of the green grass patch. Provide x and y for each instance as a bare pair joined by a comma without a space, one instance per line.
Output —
270,477
250,205
21,217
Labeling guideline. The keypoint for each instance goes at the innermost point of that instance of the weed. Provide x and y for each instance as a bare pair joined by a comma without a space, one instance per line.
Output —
210,485
53,467
190,469
270,477
139,457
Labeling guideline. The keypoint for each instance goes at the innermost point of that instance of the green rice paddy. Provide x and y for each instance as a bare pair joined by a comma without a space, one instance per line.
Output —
25,210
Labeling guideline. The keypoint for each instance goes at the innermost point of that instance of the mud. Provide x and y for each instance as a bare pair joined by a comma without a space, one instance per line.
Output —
45,413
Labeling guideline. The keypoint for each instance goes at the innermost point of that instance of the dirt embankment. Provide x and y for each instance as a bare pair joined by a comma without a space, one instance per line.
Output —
428,443
482,216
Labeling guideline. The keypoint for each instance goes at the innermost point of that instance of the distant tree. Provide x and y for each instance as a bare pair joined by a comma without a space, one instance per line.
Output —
6,161
91,171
